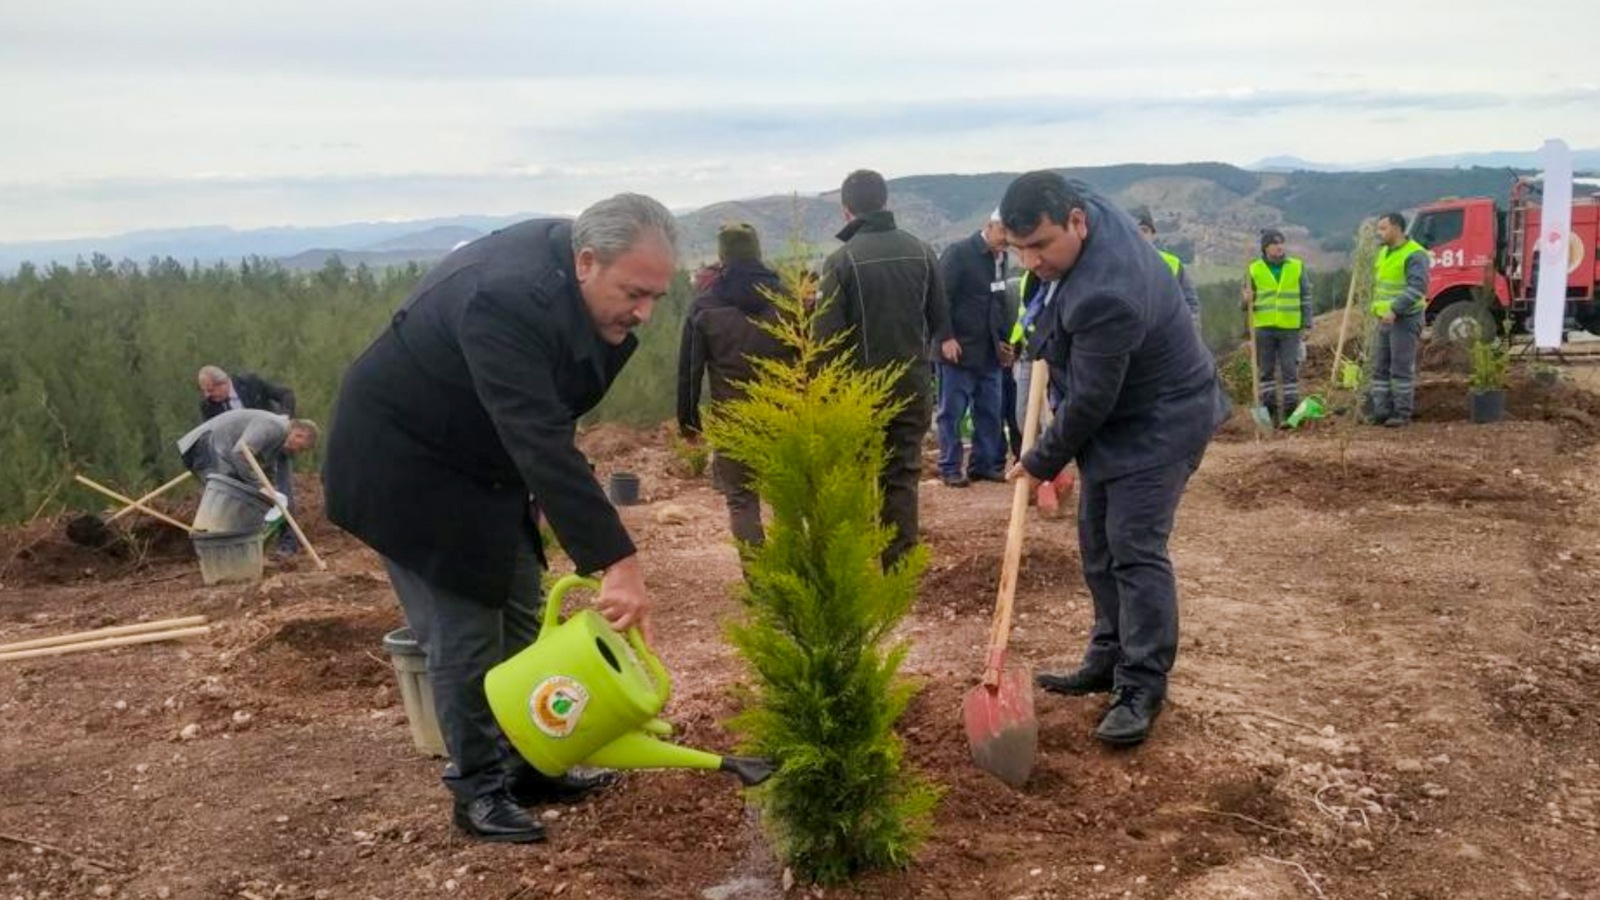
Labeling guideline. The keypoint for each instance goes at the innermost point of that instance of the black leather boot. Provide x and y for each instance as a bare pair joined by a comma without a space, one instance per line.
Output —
530,787
1133,710
1076,684
497,817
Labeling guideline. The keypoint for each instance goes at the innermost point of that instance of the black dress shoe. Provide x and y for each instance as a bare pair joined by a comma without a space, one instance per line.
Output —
987,476
1128,720
530,787
1076,684
496,817
954,481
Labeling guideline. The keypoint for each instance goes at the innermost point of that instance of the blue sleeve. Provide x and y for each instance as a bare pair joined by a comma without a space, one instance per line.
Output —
1412,300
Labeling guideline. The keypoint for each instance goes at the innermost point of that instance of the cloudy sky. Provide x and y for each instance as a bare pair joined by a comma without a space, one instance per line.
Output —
163,113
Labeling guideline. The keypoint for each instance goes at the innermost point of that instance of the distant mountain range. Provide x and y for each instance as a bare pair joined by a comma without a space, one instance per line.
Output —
1582,160
1208,213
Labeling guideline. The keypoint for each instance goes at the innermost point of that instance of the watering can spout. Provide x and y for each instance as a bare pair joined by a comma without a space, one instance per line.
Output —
750,770
638,750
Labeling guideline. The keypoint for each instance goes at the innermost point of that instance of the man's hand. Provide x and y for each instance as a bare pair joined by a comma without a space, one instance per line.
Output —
623,600
1007,352
1017,471
950,350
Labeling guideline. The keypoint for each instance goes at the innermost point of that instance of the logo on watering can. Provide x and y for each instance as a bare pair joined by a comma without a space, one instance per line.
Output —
556,705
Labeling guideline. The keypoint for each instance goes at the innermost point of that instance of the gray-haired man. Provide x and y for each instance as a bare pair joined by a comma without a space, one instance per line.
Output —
464,408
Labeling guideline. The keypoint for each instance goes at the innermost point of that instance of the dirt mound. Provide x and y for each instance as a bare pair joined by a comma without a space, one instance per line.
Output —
1323,483
968,583
310,655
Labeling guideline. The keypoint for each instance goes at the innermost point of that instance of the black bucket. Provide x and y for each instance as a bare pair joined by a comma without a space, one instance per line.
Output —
1484,407
623,488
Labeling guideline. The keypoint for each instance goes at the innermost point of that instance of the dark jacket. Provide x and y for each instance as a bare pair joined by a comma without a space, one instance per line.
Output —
254,392
884,285
981,311
721,334
1141,389
466,405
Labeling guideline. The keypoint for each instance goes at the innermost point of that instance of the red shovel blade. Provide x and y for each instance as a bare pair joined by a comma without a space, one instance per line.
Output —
1001,728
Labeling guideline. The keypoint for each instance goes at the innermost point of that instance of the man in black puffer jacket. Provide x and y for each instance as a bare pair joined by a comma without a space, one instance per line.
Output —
721,335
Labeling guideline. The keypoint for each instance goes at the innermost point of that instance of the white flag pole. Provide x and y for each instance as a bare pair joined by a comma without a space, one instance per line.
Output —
1555,226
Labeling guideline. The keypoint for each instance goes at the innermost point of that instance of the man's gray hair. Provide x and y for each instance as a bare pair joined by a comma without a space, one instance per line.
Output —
611,227
212,375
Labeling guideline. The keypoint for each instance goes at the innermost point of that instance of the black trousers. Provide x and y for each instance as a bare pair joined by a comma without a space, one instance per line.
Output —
1123,526
902,473
463,640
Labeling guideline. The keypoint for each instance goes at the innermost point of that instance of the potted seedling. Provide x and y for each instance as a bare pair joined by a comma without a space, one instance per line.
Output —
1486,395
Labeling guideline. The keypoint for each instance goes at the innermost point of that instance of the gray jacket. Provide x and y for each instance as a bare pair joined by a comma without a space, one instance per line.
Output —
1410,303
227,435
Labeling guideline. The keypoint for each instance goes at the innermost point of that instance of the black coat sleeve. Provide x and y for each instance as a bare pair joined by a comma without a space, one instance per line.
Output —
512,364
935,305
691,371
1104,331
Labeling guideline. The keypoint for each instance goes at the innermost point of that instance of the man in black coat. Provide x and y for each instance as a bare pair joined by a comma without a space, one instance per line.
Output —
884,288
456,427
974,275
1141,403
220,392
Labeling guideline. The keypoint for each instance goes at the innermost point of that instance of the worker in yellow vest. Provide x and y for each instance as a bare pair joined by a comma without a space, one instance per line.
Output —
1399,299
1277,297
1191,297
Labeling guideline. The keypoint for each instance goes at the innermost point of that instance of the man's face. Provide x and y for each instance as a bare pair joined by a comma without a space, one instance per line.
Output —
216,391
1051,250
1387,233
1147,232
994,235
298,440
621,294
1274,252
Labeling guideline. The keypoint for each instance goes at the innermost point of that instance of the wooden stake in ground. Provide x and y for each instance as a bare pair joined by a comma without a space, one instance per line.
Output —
150,496
103,643
113,631
266,485
1357,260
133,504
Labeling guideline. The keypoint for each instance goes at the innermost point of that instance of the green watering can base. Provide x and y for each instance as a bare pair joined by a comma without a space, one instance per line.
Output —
1309,408
581,695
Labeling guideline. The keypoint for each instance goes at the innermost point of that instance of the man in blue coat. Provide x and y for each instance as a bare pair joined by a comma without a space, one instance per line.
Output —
456,428
1141,404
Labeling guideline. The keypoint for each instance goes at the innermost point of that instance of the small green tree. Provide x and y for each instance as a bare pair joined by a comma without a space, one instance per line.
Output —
820,609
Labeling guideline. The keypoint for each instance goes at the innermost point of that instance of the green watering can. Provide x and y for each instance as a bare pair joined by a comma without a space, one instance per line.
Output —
1309,408
577,696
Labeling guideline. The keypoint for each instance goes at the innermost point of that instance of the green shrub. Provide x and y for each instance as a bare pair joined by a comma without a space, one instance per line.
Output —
820,609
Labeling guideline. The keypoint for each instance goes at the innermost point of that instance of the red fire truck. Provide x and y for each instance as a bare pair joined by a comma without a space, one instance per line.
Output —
1486,260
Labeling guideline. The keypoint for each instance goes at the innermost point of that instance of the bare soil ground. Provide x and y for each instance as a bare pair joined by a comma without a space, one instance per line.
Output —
1387,688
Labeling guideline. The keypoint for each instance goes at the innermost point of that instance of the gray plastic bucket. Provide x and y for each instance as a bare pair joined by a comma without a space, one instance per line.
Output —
230,505
623,488
411,667
229,555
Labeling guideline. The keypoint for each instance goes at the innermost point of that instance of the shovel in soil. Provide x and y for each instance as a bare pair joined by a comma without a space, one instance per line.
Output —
1002,731
90,530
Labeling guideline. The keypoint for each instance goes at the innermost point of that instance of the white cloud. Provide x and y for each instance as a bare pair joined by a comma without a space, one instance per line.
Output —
171,112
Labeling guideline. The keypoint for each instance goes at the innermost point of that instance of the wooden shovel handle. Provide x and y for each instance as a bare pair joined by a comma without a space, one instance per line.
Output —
1038,384
148,497
266,485
131,503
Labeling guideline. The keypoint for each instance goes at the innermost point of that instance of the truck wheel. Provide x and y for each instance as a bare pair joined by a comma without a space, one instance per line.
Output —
1463,322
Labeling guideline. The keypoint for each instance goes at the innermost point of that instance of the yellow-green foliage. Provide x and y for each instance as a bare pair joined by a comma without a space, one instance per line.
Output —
820,609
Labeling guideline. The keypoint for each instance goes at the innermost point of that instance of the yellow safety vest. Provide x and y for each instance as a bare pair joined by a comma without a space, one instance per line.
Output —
1024,288
1277,300
1389,278
1173,262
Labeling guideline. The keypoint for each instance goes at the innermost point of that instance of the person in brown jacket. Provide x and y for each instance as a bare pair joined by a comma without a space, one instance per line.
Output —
721,335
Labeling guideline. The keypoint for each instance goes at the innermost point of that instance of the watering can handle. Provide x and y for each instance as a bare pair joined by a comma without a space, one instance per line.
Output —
552,618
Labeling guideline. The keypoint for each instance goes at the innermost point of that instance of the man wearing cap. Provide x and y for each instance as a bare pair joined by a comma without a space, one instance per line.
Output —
883,286
1277,297
974,274
1191,297
1140,406
722,334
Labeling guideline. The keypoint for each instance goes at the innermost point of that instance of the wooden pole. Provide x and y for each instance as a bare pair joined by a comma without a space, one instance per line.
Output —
266,485
105,643
133,504
150,496
113,631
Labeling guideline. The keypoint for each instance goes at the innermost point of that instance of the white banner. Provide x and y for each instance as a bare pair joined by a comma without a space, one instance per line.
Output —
1555,226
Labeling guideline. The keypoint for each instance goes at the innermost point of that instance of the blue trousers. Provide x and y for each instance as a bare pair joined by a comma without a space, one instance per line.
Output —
978,391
